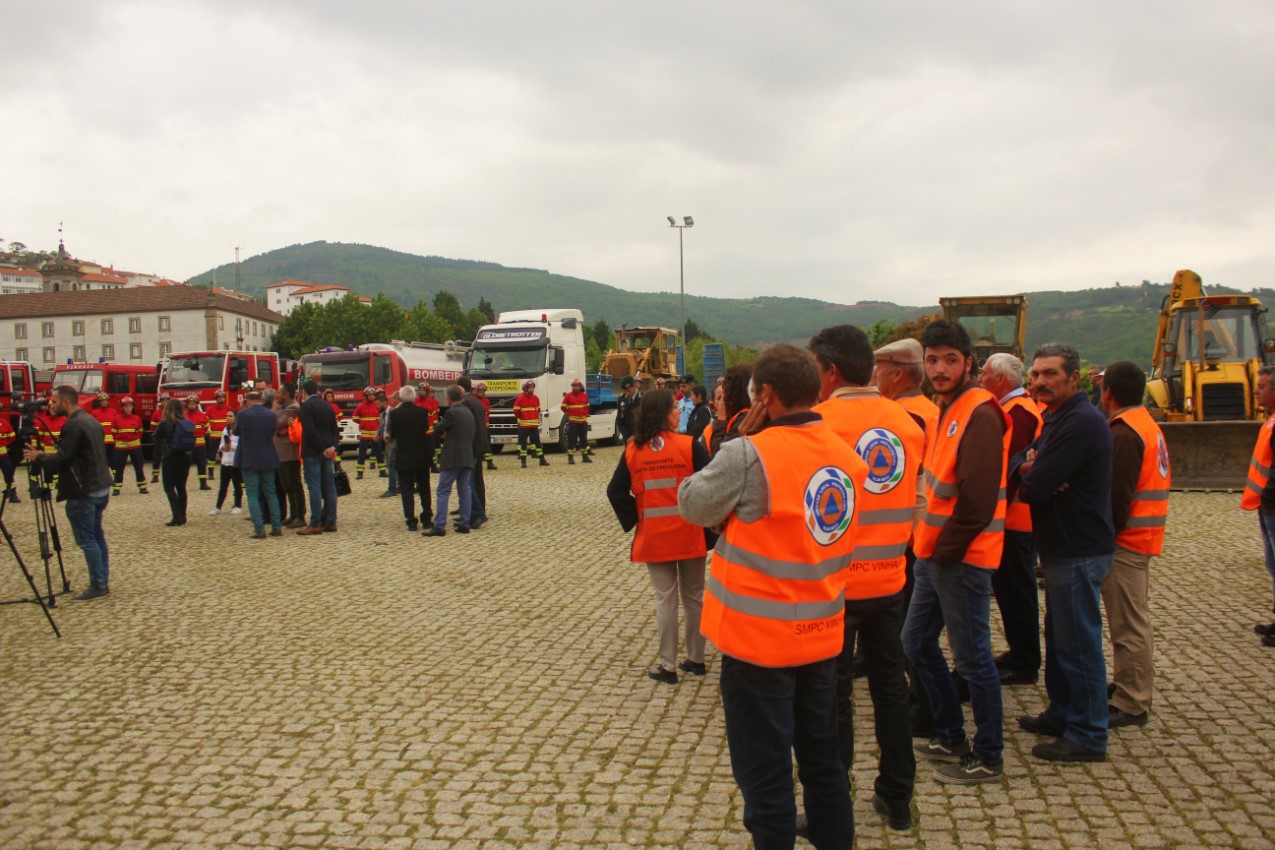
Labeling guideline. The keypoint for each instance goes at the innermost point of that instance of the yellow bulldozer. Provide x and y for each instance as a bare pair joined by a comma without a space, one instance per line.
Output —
995,322
646,353
1208,351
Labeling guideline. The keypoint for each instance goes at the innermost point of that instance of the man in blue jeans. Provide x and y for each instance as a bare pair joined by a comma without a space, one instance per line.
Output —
958,546
1065,476
319,440
457,462
84,483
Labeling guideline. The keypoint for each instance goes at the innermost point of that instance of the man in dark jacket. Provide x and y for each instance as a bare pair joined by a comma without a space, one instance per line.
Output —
457,461
257,459
482,445
408,427
701,413
319,440
84,483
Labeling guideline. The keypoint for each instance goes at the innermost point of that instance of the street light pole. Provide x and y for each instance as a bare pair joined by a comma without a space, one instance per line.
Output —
687,221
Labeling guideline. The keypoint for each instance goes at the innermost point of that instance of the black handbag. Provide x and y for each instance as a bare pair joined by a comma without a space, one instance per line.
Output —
342,483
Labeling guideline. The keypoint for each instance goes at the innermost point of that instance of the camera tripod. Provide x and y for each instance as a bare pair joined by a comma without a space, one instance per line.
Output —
44,553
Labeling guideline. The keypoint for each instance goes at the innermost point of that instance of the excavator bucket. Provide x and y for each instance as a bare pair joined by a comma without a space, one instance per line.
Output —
1210,455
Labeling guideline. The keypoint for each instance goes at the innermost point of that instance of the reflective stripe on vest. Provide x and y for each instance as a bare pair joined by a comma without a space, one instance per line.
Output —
1018,516
655,470
1259,468
941,488
892,446
1144,530
775,596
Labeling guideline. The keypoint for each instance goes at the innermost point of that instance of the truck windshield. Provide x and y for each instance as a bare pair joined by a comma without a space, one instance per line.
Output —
334,372
84,380
987,324
1228,334
506,362
196,370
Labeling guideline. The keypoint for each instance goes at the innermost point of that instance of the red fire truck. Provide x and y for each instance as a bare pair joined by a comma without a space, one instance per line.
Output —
17,383
205,372
117,380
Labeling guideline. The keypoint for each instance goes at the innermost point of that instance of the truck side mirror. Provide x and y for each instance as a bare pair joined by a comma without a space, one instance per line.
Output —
559,361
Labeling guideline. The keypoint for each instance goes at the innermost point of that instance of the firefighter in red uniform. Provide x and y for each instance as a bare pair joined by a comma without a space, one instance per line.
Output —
575,405
48,428
156,416
199,454
425,398
106,418
480,390
527,412
368,416
216,412
128,446
7,436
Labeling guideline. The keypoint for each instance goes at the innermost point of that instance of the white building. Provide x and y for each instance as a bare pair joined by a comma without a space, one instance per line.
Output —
286,295
130,325
15,279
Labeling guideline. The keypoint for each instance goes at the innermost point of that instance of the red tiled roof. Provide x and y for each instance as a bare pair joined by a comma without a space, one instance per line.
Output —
308,290
301,283
139,299
22,270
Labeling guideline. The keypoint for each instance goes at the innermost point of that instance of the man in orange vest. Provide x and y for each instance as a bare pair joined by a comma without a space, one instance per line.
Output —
958,548
1066,478
891,444
1139,507
1259,492
1014,583
786,494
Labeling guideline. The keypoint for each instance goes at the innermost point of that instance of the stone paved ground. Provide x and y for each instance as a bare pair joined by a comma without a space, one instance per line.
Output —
376,689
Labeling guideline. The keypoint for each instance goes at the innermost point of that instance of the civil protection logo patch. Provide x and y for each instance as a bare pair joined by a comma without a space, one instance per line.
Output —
882,451
1162,456
829,504
951,428
656,443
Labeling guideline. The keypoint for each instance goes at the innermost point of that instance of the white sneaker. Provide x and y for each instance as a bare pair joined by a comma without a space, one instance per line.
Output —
214,511
236,510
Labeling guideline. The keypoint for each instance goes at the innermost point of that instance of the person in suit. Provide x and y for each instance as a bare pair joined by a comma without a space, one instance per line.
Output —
320,437
257,459
408,426
457,462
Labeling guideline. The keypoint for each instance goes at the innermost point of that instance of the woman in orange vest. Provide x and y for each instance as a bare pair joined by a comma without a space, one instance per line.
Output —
643,494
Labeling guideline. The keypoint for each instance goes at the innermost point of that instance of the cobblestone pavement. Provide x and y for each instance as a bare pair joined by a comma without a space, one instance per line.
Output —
373,688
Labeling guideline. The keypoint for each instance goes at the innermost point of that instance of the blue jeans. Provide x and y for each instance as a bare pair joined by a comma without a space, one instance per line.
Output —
772,713
1267,524
1075,671
320,481
85,516
958,595
461,477
257,481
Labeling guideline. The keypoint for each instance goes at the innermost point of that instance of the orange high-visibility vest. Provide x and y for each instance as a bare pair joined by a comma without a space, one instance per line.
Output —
928,411
1259,468
940,483
1144,530
1018,516
776,593
655,470
892,445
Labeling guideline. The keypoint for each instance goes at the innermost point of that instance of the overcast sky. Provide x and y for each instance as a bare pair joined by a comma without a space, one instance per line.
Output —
837,150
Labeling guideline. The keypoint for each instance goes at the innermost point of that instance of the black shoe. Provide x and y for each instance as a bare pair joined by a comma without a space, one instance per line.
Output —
586,459
385,473
1269,640
462,529
95,591
899,816
571,459
434,531
970,770
936,750
388,494
1260,629
358,476
203,485
1118,717
476,524
427,519
1066,751
692,667
1018,677
1111,689
412,525
13,496
1036,724
659,674
523,461
491,466
544,462
173,522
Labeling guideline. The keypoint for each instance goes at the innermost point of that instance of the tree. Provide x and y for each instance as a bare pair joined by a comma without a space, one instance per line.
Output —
600,333
880,332
484,307
295,334
905,330
422,324
447,306
694,331
593,355
474,320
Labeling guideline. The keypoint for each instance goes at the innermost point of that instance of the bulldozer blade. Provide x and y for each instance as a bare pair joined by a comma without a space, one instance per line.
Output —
1210,455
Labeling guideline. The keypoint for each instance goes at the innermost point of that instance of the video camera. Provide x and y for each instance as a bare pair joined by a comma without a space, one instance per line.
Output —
34,405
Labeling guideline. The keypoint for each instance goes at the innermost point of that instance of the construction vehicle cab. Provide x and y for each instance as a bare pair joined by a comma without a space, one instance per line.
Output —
995,322
1208,351
646,353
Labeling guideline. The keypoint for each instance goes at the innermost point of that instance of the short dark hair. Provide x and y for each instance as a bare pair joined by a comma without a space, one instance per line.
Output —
311,387
67,393
789,371
1069,354
652,416
701,391
456,392
1267,371
847,348
465,384
1127,383
289,388
735,388
941,332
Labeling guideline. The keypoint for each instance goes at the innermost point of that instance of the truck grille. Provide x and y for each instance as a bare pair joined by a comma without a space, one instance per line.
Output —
1223,401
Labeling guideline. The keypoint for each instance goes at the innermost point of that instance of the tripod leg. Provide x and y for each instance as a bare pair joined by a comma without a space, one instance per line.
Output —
57,547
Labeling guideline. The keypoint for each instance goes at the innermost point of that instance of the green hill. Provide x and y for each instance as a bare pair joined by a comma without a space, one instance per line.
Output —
1106,324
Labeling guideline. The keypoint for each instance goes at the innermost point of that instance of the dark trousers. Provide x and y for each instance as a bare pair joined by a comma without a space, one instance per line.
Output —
478,489
200,458
415,483
772,713
230,475
293,493
366,448
6,467
922,715
175,470
529,439
878,624
577,437
1014,586
123,457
